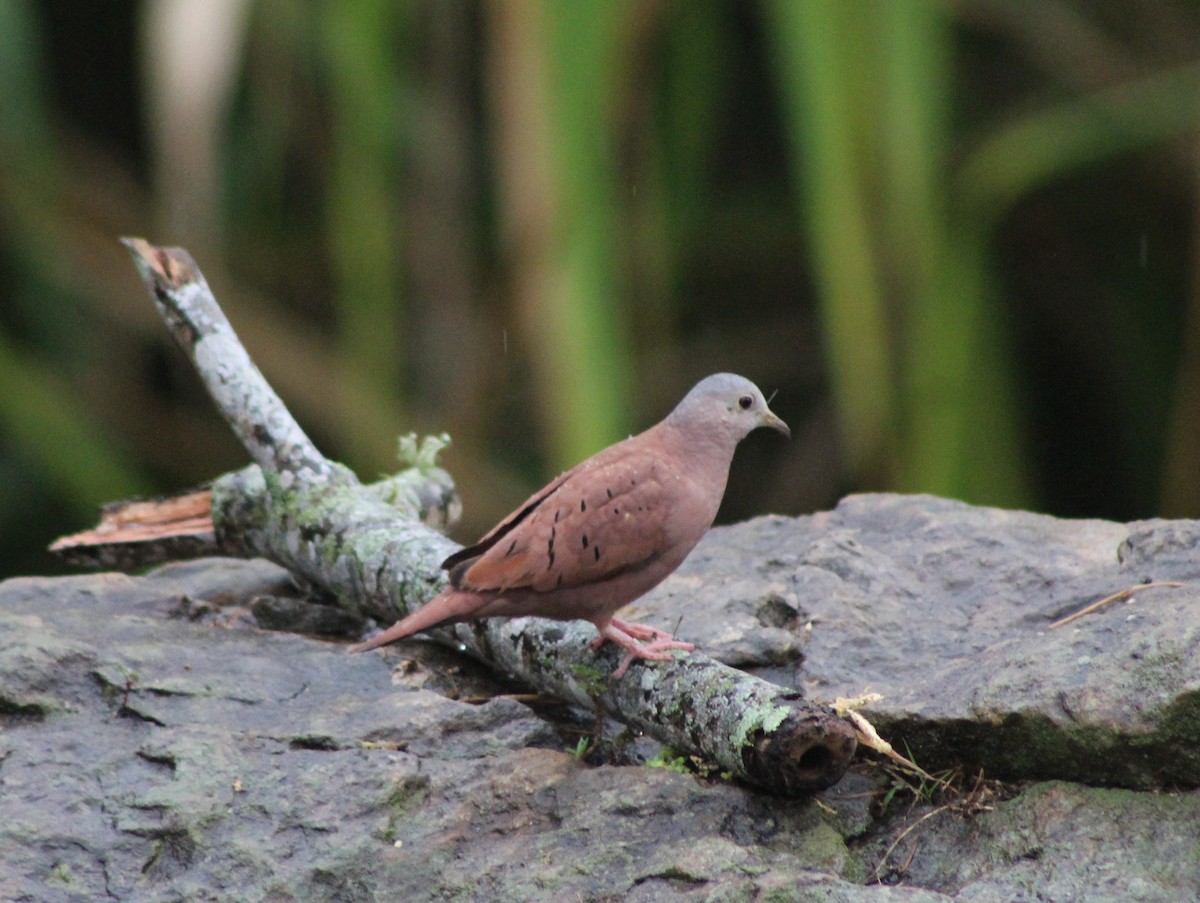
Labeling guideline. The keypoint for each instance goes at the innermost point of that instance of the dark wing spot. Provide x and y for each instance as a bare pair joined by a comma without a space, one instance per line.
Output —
583,504
456,572
557,512
616,511
596,551
585,540
511,546
550,564
559,581
609,491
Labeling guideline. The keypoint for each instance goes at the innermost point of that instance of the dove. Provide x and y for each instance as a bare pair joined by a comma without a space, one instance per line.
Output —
607,531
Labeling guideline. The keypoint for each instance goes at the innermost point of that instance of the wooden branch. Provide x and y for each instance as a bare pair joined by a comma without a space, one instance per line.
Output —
249,405
141,532
312,516
137,533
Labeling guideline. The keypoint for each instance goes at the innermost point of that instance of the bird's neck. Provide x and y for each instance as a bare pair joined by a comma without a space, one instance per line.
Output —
708,455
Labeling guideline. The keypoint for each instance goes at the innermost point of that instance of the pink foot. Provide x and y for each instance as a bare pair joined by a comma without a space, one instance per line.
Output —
640,631
657,650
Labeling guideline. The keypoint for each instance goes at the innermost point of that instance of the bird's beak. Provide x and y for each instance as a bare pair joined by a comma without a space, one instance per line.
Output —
770,419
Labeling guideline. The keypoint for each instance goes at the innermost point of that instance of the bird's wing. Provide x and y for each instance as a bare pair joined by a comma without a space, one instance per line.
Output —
502,529
609,514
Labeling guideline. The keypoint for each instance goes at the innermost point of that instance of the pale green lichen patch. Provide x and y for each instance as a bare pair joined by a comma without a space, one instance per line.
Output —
407,796
423,455
370,544
774,718
60,876
765,718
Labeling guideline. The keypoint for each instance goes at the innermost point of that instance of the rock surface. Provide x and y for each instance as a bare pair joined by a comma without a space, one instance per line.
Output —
155,745
945,609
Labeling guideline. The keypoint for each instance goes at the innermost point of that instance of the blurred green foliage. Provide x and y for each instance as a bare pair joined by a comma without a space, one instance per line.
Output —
961,239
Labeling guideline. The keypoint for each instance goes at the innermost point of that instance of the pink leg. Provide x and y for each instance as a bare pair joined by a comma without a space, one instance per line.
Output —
640,631
656,650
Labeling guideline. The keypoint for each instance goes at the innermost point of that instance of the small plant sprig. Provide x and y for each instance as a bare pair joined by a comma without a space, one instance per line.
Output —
980,798
581,748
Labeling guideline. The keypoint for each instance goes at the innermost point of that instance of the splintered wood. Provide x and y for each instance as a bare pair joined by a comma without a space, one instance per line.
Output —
140,532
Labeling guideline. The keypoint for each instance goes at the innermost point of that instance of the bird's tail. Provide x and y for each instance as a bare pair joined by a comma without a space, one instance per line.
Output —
448,607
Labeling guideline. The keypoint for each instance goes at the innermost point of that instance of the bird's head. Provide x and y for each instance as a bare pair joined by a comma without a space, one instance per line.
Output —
725,406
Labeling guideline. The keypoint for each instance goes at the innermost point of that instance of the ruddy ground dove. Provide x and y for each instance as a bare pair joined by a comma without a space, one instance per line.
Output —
608,530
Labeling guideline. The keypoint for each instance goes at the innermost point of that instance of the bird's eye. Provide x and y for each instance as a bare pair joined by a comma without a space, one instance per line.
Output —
745,402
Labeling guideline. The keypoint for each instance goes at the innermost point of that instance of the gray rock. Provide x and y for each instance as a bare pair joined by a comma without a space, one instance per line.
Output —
150,757
156,745
945,609
1058,841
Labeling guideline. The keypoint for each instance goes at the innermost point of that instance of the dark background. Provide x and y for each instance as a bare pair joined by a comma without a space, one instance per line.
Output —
959,238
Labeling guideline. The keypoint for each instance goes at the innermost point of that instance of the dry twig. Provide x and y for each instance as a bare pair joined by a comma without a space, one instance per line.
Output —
1122,596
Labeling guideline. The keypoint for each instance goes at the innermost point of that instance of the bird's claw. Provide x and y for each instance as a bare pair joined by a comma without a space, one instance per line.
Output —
658,649
640,631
